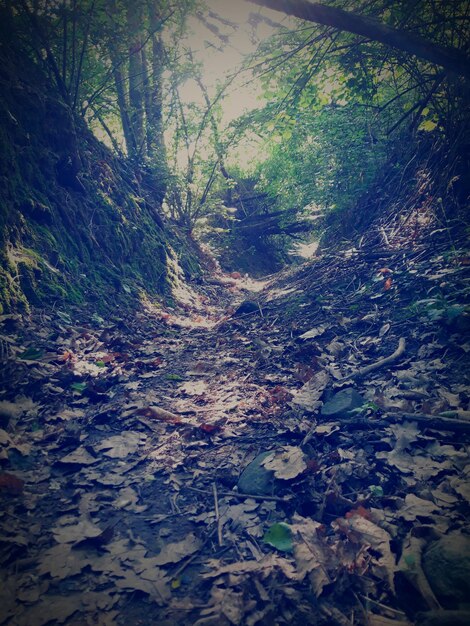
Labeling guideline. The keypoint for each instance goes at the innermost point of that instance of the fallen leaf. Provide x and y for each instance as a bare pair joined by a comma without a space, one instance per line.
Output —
79,387
83,529
60,562
174,552
287,462
314,332
308,396
416,507
120,446
50,609
11,484
279,536
157,413
31,354
369,535
224,604
80,456
311,553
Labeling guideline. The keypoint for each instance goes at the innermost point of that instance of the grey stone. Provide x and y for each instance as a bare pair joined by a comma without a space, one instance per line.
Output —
446,564
256,479
343,403
246,307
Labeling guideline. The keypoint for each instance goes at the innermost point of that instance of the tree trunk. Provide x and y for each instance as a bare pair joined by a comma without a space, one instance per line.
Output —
136,78
451,59
153,97
122,100
156,145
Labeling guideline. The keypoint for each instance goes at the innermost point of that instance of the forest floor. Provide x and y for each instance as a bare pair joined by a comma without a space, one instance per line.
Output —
286,452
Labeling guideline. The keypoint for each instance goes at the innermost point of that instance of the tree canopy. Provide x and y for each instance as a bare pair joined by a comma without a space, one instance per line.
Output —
341,88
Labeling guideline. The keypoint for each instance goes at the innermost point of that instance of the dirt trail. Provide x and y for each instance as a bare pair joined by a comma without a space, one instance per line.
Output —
123,444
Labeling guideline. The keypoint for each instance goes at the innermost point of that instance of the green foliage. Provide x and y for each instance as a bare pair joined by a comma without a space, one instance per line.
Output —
306,165
336,107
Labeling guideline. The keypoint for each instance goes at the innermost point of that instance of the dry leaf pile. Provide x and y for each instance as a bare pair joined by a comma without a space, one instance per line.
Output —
123,441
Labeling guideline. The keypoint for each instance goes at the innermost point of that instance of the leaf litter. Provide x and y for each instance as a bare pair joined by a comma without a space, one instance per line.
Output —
123,440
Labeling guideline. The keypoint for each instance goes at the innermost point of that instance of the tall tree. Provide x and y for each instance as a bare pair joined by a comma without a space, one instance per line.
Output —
136,76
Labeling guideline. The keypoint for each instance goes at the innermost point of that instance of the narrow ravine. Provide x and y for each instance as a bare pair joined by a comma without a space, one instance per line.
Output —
206,465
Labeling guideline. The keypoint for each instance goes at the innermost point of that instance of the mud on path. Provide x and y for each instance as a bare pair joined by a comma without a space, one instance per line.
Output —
132,486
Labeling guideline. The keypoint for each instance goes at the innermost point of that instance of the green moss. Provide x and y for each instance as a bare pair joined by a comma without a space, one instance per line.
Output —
74,295
45,237
74,247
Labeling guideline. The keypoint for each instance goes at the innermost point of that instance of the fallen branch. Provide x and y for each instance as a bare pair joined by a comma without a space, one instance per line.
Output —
431,421
422,419
363,371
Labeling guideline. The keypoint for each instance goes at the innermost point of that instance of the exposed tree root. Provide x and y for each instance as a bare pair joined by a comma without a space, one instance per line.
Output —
363,371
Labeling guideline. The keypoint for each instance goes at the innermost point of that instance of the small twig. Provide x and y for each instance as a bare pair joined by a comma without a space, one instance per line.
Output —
310,433
217,515
237,494
384,235
363,371
382,606
321,510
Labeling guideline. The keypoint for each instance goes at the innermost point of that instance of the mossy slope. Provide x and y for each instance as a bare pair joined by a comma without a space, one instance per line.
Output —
97,237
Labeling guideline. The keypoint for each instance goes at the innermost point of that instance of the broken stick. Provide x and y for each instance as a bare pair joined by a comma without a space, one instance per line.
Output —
363,371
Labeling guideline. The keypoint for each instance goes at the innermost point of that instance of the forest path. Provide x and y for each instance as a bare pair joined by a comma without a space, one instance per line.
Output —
124,444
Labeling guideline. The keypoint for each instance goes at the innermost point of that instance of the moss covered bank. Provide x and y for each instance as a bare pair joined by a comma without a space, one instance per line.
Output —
76,224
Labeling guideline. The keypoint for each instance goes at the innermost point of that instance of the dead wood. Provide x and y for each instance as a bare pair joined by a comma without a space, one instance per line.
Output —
363,371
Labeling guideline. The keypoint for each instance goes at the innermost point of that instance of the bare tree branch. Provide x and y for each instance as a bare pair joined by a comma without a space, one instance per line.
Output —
451,59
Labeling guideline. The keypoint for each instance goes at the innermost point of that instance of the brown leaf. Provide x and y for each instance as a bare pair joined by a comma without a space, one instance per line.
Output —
96,542
11,484
210,428
155,412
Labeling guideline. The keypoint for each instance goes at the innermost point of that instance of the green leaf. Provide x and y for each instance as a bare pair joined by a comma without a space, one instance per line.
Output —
100,363
279,536
451,414
427,125
376,491
31,354
78,387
